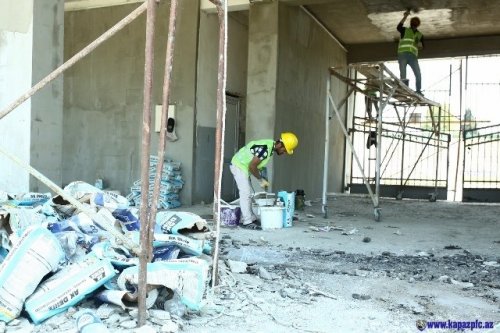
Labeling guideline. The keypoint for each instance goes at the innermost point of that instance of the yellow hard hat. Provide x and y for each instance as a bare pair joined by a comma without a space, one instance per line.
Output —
290,141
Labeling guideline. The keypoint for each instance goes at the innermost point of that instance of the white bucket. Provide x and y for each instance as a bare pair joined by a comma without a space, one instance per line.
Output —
271,217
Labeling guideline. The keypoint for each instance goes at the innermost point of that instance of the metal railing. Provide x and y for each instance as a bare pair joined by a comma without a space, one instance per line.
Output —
414,160
481,174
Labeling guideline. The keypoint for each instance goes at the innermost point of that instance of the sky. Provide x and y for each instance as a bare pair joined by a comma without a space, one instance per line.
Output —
481,94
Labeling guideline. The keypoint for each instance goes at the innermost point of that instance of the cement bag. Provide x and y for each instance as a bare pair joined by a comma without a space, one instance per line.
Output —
22,218
59,207
68,287
230,215
129,218
126,299
187,244
81,191
179,222
189,277
288,199
119,256
32,199
37,253
109,200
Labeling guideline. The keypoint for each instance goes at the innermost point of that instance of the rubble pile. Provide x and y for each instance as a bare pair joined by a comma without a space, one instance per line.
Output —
58,263
170,185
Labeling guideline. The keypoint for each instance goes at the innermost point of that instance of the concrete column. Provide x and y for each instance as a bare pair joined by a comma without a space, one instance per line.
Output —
31,46
262,72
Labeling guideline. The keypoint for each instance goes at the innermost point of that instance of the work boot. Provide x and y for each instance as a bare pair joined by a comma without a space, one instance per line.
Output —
372,139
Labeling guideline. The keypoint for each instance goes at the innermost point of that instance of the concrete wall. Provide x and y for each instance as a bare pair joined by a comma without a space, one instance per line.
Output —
305,53
262,76
16,35
206,91
104,95
30,48
47,104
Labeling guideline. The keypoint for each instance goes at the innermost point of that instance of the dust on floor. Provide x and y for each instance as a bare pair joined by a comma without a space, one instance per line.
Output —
347,273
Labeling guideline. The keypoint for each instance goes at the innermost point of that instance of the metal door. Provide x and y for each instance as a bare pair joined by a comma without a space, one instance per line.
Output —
228,186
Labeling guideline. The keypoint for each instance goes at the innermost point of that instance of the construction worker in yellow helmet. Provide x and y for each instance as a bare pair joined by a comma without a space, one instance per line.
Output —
250,160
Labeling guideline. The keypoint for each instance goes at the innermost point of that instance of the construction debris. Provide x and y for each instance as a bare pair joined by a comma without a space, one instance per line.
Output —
78,261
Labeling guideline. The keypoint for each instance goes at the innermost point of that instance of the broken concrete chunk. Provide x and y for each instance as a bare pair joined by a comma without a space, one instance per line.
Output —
351,232
264,274
128,324
169,327
290,274
145,329
445,279
464,285
159,314
491,263
237,266
452,247
361,297
113,319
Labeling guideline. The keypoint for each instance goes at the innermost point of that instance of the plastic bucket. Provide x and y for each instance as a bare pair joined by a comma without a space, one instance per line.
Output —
271,217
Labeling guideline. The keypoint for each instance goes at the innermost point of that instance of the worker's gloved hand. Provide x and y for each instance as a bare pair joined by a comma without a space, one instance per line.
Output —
264,183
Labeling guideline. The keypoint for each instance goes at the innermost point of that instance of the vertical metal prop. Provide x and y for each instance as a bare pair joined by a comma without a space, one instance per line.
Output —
455,186
164,117
438,135
146,144
327,148
73,60
378,161
219,133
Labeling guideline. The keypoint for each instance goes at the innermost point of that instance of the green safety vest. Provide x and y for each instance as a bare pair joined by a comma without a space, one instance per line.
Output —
244,156
409,41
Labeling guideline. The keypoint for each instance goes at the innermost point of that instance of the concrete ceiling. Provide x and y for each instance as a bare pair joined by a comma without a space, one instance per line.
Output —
374,21
451,27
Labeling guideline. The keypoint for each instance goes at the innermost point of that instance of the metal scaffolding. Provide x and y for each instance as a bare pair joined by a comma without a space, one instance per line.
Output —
380,88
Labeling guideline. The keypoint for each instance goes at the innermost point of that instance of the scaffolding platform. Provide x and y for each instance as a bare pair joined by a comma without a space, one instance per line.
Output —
377,77
383,88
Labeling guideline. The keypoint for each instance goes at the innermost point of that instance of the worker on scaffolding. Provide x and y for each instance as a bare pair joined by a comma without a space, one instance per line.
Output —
250,160
371,100
409,44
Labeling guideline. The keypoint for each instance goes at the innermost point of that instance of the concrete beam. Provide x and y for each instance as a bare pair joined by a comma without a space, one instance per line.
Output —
434,48
71,5
232,5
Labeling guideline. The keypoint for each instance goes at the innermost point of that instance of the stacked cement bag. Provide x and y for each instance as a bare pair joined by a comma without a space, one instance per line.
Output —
170,185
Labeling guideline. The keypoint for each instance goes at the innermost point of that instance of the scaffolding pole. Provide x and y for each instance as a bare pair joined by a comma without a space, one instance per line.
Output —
145,216
391,91
328,116
219,132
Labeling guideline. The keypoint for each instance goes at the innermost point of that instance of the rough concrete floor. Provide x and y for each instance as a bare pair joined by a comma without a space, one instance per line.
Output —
424,261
